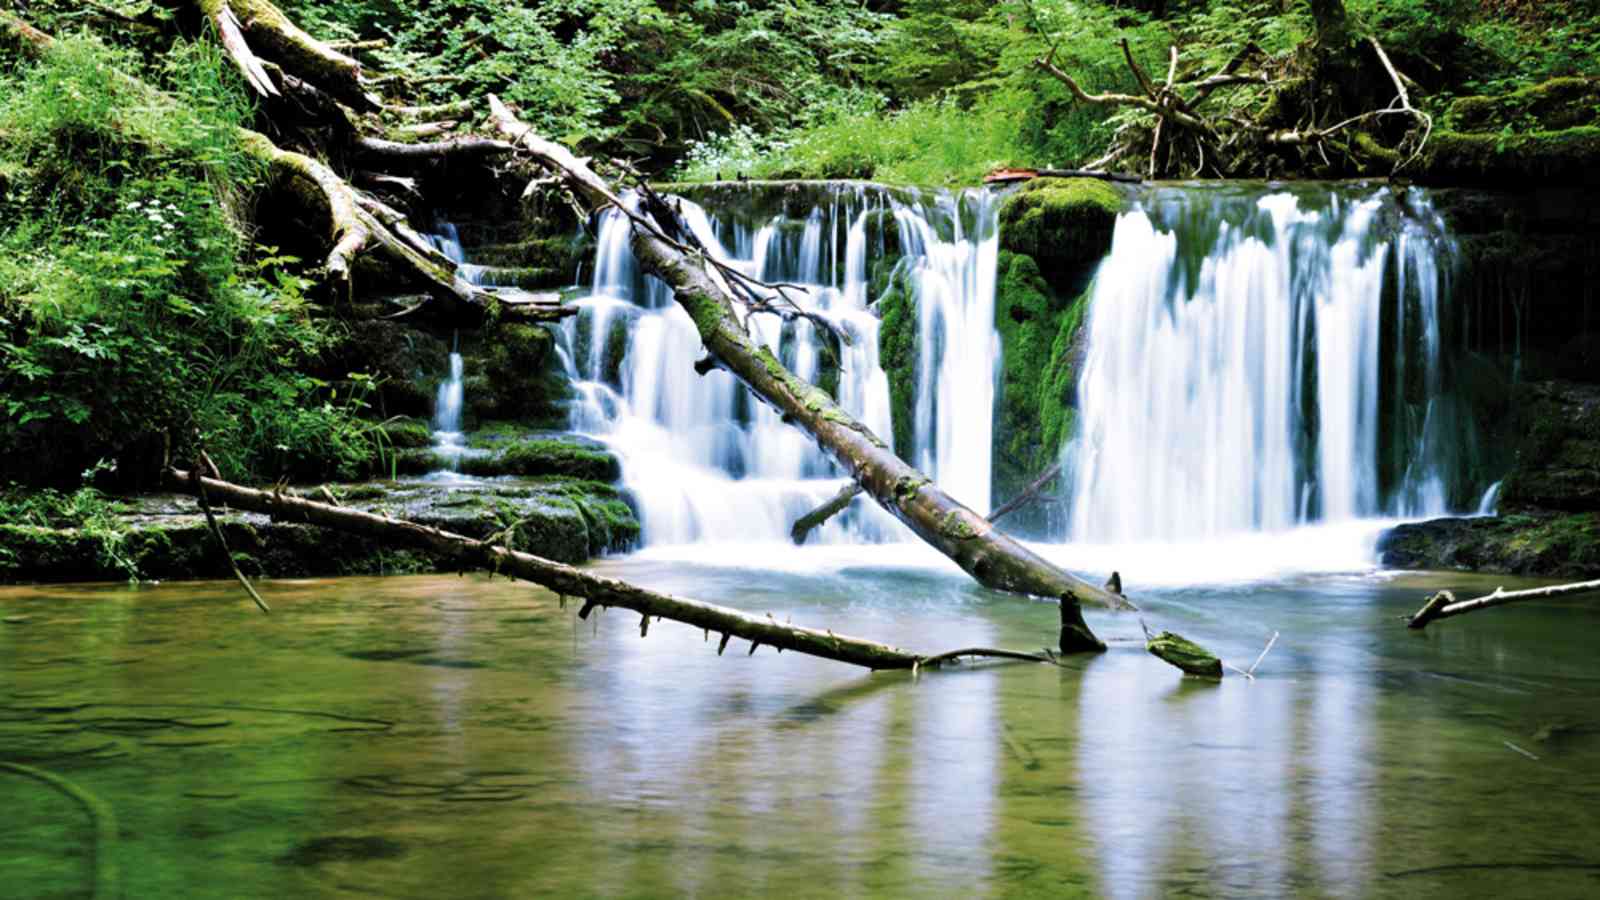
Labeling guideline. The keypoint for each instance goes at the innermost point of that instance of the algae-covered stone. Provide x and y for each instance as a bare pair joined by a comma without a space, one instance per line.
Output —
899,345
515,373
1064,224
1179,651
1035,407
407,433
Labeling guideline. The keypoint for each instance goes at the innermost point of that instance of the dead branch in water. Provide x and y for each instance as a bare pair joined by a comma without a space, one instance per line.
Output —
1444,604
598,591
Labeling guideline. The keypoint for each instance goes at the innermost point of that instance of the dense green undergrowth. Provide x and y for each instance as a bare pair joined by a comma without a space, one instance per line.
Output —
136,321
952,92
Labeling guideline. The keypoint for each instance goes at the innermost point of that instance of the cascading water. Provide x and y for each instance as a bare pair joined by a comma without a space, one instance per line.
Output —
1261,359
706,461
449,442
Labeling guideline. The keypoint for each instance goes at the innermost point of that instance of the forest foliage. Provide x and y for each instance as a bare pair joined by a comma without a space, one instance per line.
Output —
140,316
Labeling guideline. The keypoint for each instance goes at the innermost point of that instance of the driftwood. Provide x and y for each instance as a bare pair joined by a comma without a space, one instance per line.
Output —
835,505
989,555
1028,495
1444,604
597,591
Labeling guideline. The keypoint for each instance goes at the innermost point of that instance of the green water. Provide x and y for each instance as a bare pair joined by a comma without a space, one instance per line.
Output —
443,736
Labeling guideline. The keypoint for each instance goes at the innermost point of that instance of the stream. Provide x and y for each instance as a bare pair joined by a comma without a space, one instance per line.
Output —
400,736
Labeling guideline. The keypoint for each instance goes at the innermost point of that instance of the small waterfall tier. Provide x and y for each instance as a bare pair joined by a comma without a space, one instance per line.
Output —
705,460
1261,358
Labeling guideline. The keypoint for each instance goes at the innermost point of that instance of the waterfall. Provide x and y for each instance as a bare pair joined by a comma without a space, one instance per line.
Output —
1263,358
448,440
707,461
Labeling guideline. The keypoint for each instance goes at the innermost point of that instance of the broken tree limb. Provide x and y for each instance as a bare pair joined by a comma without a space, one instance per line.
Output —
257,27
567,581
1028,495
1443,605
986,553
835,505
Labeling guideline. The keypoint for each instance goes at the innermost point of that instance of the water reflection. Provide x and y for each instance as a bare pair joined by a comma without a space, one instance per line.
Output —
414,737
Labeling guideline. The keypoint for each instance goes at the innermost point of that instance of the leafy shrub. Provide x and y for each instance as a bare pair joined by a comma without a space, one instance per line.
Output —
128,325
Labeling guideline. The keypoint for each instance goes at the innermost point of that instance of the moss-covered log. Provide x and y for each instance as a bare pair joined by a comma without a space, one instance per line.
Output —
983,551
1185,654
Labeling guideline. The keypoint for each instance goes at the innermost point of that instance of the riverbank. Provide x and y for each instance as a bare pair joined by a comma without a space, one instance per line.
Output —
158,537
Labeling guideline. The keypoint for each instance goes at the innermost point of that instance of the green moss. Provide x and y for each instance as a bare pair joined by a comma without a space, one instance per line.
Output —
955,525
1035,407
543,457
559,254
1513,159
1192,658
898,349
1063,224
1555,104
407,433
516,374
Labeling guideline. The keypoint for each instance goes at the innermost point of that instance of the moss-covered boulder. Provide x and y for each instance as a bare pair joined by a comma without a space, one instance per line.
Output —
1065,224
1550,545
406,433
1036,404
560,255
406,363
566,455
899,345
514,372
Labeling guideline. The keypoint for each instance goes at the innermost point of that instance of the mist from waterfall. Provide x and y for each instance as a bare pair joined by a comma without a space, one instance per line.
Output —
1260,359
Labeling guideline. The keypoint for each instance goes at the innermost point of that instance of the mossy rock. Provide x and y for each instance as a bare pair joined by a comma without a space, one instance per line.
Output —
1036,406
1179,651
404,433
1557,463
899,344
1551,105
406,363
562,255
1545,545
1065,224
1512,159
513,372
567,456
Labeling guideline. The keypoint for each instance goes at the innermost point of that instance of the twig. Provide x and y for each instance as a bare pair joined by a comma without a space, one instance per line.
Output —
216,530
1263,655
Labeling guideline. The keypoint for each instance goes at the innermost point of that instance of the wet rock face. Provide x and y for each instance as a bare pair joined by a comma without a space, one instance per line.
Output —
1558,457
1544,544
1053,233
1550,501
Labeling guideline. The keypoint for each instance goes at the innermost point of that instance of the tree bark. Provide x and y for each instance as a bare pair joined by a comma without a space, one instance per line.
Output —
567,581
986,553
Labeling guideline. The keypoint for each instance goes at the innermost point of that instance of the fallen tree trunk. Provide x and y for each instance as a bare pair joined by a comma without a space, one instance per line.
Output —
1444,604
986,553
566,581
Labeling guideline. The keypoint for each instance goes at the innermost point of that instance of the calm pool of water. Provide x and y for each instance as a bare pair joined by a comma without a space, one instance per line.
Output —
444,736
